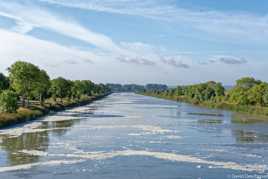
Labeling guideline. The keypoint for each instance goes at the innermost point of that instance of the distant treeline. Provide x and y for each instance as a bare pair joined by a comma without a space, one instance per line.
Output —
137,88
248,95
27,82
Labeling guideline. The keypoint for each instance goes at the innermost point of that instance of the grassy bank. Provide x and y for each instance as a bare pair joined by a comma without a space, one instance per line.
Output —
36,111
251,110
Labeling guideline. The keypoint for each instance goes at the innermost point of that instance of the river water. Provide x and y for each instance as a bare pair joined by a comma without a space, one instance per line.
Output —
126,135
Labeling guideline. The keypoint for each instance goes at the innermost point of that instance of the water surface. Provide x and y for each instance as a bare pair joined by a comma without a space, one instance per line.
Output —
131,136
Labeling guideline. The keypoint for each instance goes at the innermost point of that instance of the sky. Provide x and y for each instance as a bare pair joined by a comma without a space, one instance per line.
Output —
138,41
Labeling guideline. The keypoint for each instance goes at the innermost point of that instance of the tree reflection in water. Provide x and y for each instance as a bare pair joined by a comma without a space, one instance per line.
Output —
38,140
246,136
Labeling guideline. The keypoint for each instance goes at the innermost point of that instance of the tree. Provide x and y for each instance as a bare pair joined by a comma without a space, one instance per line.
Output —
42,86
247,82
256,94
77,89
265,98
219,89
238,95
8,101
23,78
179,91
4,82
60,88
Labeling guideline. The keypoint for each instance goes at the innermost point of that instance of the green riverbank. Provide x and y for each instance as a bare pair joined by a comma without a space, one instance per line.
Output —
33,112
247,114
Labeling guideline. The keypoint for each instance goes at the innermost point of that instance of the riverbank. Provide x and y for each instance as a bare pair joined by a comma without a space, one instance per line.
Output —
249,110
36,111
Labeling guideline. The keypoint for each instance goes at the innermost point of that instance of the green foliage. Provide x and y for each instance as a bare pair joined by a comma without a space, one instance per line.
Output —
42,86
204,91
249,95
60,88
32,83
210,91
247,82
8,101
256,94
238,95
23,77
4,82
28,80
79,88
249,91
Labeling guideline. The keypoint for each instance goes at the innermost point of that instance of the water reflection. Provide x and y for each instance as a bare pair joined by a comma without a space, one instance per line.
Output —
61,126
29,141
240,118
38,138
244,136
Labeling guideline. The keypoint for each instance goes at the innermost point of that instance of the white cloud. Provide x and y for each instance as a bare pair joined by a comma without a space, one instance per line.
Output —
29,16
14,46
236,24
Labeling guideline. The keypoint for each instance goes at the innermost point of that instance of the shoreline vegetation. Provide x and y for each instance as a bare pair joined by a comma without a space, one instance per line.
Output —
28,93
24,114
248,96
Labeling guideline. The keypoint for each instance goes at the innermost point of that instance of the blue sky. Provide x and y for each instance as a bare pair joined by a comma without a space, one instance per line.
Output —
138,41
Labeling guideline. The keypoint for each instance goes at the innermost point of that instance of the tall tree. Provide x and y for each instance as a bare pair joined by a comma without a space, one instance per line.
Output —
60,88
23,78
42,86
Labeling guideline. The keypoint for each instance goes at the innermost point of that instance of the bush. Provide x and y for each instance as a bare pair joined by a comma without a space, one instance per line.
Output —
8,101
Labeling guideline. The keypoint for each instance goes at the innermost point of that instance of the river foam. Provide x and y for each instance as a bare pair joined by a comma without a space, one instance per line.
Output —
158,155
147,129
31,165
27,129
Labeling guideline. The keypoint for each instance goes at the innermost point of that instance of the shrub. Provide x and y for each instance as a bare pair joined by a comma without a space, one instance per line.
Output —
8,101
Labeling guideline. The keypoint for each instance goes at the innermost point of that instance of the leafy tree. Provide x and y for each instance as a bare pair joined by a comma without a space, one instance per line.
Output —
84,87
256,94
42,86
23,78
219,89
238,95
247,82
77,89
265,98
8,101
179,91
4,82
60,88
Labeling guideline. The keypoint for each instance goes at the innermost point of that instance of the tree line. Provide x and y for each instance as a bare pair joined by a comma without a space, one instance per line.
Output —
247,92
136,88
26,81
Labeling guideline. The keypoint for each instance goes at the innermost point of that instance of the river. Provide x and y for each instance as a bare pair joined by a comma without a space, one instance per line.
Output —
127,136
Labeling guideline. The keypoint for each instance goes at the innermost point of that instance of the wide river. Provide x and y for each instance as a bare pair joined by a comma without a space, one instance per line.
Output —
126,135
